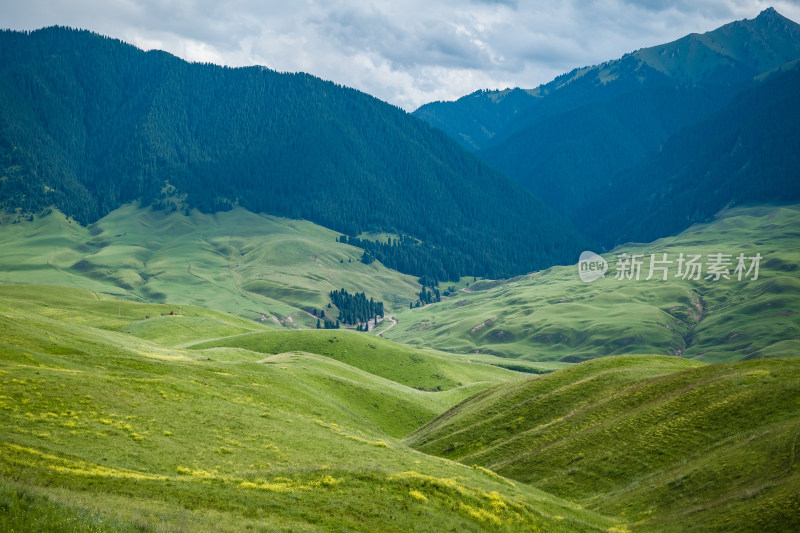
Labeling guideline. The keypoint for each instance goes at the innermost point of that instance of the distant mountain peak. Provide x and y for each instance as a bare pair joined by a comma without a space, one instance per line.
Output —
770,12
734,52
774,21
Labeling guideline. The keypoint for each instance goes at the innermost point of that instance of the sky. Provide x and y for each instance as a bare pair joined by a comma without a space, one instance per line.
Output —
406,52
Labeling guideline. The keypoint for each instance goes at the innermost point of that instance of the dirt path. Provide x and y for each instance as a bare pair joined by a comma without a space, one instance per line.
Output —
390,326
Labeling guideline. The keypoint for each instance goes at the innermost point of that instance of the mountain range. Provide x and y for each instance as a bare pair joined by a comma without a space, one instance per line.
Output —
629,150
605,143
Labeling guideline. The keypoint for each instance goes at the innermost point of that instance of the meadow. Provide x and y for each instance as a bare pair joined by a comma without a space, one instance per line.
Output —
235,261
554,316
184,387
667,443
103,427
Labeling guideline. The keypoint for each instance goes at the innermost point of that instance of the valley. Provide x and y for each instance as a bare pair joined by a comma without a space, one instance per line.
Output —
240,299
553,315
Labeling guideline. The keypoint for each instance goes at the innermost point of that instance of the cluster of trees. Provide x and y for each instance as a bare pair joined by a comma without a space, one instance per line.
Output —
450,290
90,123
323,322
356,308
427,296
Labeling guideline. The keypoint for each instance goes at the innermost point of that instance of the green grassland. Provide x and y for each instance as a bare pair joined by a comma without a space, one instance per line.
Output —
235,261
153,412
277,270
423,370
668,443
553,316
108,424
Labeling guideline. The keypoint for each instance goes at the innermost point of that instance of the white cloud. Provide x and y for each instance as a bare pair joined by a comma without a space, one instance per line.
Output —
406,52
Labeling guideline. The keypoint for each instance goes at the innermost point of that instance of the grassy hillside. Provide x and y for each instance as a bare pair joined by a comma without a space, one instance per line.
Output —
425,370
553,315
668,443
101,430
234,261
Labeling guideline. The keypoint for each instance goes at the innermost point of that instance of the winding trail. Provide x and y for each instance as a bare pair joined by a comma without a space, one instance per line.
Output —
390,326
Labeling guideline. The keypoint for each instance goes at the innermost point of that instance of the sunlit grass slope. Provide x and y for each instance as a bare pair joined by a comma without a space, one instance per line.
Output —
426,370
101,430
234,261
668,443
553,315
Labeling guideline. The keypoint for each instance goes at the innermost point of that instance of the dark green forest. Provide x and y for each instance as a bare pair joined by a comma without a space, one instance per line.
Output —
89,123
567,159
748,152
406,254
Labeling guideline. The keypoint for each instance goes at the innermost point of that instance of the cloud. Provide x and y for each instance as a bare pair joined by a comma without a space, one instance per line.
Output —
406,52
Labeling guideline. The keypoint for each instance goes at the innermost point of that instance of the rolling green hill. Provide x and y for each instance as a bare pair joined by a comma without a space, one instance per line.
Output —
101,430
553,315
113,422
425,370
235,261
668,443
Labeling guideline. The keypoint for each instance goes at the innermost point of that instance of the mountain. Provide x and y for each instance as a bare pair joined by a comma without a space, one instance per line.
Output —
672,444
88,124
568,140
473,120
748,152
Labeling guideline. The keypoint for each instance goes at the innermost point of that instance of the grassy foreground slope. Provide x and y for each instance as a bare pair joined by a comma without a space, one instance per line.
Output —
235,261
667,443
553,315
101,430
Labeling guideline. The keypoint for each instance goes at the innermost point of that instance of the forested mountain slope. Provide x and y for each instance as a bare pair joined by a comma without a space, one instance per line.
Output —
89,123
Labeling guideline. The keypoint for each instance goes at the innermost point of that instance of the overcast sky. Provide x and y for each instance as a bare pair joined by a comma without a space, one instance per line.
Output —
407,52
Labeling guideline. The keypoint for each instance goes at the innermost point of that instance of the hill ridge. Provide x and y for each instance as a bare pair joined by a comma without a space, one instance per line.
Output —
636,435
